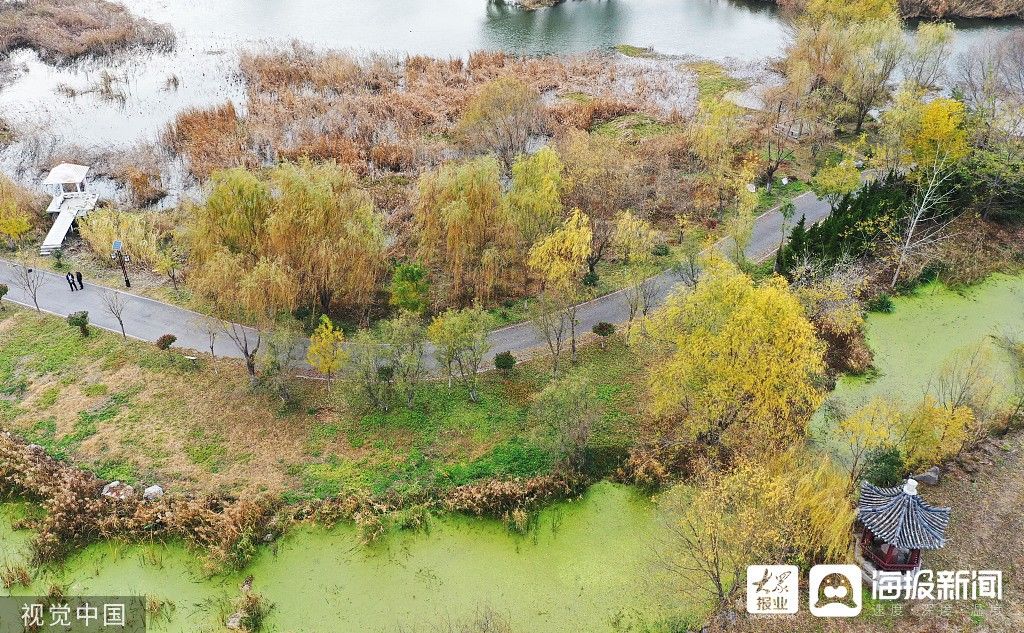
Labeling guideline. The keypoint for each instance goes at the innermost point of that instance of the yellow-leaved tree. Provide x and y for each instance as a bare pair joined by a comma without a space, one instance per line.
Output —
634,241
327,353
867,429
500,118
602,177
851,10
463,230
15,220
835,181
325,229
560,258
938,143
941,135
534,198
307,231
933,432
736,361
560,261
790,508
136,230
925,435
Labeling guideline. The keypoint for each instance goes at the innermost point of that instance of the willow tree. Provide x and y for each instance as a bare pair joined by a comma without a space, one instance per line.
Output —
233,218
738,363
717,137
534,198
560,261
464,232
783,508
847,51
927,56
15,219
326,230
500,118
875,48
602,179
634,241
307,235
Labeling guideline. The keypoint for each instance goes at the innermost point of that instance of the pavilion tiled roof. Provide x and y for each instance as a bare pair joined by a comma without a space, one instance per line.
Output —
902,519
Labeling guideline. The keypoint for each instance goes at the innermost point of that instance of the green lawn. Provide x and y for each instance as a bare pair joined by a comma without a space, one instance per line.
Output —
713,80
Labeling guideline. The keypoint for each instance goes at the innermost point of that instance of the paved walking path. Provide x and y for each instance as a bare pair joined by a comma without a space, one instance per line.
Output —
147,319
144,318
612,308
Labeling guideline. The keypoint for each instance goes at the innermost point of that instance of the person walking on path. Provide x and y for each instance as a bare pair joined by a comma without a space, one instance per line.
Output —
78,277
71,281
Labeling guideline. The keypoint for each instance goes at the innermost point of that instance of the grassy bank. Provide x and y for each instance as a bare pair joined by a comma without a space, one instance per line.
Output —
128,411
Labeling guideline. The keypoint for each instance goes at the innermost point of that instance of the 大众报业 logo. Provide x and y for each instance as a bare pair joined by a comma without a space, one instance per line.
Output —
773,589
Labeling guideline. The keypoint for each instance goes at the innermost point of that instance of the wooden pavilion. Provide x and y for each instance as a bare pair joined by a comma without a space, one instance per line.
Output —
896,524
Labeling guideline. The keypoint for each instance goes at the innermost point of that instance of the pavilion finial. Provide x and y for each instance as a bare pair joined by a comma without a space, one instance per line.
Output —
910,487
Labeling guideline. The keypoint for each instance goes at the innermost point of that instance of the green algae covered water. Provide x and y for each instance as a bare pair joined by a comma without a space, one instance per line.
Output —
584,567
587,565
933,328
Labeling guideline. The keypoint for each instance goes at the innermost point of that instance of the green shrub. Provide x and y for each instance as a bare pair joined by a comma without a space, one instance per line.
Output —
590,279
603,330
80,320
165,341
881,303
661,250
58,259
884,467
409,288
505,362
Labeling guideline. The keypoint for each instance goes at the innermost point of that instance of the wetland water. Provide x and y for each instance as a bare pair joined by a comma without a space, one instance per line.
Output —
209,35
587,562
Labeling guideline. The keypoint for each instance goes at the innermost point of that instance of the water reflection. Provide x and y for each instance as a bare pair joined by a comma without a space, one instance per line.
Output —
574,27
707,28
211,32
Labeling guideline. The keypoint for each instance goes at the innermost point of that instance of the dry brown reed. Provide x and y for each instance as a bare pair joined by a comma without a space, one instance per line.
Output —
76,513
211,139
502,498
62,31
15,575
380,114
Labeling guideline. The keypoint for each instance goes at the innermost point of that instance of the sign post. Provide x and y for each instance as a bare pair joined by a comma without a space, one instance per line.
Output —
121,258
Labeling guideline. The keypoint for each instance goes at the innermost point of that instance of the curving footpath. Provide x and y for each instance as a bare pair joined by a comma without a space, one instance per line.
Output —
147,319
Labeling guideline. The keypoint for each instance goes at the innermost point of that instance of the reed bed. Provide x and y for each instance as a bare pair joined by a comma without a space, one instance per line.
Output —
63,31
76,513
380,113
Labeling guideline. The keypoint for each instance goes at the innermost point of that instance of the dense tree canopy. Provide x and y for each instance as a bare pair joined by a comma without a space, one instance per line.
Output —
305,235
738,361
465,231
